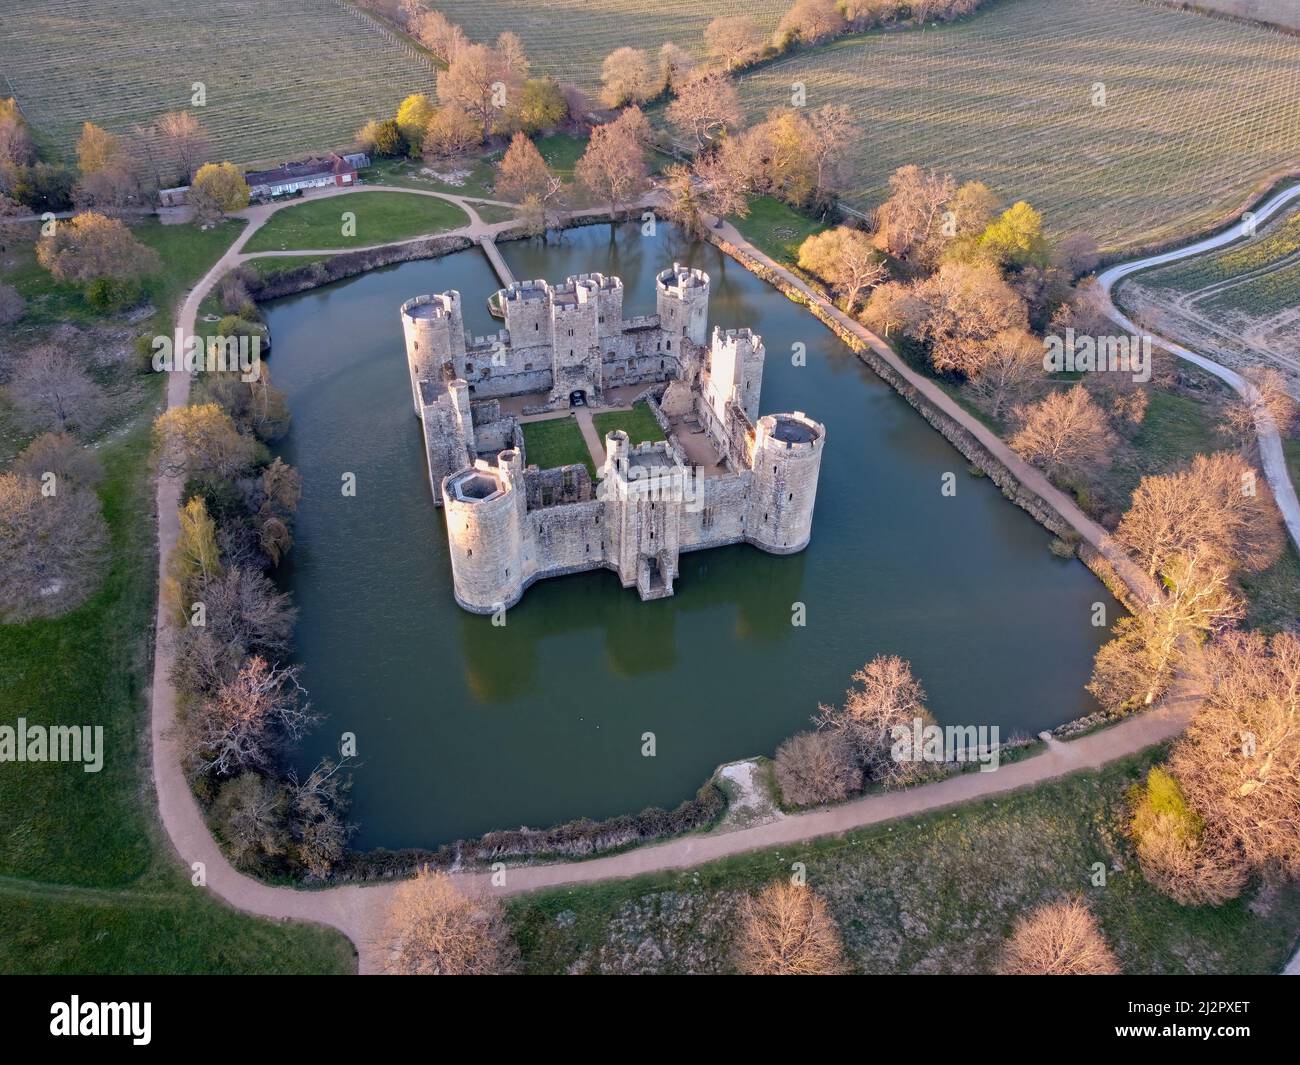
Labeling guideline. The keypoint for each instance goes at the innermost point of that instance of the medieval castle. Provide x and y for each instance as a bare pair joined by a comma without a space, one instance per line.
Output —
722,476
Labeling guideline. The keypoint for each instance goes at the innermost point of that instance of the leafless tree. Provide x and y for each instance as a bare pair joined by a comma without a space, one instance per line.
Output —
1216,504
1060,939
480,82
613,167
1011,364
817,767
810,22
183,137
1269,401
787,930
1239,761
846,258
52,391
957,310
913,211
52,546
1065,433
626,77
435,929
1174,852
706,106
248,719
733,40
61,455
885,695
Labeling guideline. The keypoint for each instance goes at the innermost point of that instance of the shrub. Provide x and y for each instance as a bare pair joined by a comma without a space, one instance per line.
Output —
816,767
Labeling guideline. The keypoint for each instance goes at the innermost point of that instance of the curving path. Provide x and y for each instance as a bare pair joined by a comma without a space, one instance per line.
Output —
358,911
1270,441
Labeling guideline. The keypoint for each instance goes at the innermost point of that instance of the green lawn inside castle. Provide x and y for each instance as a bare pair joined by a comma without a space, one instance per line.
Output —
691,465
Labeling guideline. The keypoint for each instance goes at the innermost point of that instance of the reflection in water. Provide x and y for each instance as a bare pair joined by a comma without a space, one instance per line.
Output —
464,726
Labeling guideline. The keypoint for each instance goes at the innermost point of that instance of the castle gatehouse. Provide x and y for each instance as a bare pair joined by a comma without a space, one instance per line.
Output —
723,475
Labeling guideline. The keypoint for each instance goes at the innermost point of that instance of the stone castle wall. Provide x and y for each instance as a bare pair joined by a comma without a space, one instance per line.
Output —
509,525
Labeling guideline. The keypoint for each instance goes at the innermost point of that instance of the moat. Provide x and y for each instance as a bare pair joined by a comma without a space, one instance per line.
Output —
463,726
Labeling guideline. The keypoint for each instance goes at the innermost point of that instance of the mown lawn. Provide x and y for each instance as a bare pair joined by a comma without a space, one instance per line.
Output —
381,218
639,423
556,442
930,894
776,229
87,883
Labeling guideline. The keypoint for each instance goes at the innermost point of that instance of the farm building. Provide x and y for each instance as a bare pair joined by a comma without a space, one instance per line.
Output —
334,169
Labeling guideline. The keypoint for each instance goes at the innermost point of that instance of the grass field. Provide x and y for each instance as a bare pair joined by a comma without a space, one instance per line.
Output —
1198,110
381,218
639,424
935,894
774,228
281,78
556,442
87,884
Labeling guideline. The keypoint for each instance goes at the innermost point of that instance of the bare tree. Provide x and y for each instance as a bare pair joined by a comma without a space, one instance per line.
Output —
248,719
60,455
480,82
675,66
249,816
1060,939
318,804
886,696
201,440
913,211
1268,402
846,258
52,390
957,310
52,546
1175,855
810,22
1065,433
437,33
613,168
733,40
787,930
626,77
1198,601
523,173
183,137
1216,505
434,929
451,131
817,767
1012,362
707,105
1239,761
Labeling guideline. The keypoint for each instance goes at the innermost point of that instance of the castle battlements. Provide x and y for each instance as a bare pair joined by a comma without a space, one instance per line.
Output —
724,474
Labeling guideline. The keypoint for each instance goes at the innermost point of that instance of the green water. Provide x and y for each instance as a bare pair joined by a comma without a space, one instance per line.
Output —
463,727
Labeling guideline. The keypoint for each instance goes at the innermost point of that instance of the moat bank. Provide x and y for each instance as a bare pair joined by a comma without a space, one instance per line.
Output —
464,727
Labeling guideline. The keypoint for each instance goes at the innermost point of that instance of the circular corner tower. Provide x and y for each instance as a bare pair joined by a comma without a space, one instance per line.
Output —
787,462
484,539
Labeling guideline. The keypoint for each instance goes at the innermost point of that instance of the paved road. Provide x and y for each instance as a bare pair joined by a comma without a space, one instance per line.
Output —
1270,443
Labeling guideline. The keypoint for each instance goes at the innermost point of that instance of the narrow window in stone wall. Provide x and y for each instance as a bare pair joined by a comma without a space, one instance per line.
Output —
470,553
536,326
669,345
792,495
469,367
589,549
416,345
